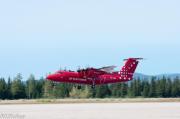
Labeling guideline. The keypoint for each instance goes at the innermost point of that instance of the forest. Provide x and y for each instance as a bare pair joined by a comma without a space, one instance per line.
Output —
32,88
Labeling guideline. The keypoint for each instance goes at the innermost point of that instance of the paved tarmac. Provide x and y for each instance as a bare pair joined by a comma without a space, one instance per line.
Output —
92,111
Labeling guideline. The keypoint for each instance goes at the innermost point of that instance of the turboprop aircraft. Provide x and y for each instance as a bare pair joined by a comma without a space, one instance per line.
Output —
97,76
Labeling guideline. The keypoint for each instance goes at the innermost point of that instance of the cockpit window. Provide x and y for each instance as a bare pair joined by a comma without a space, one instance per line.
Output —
59,72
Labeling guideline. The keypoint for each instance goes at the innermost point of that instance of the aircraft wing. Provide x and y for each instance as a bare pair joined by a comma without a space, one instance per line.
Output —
108,69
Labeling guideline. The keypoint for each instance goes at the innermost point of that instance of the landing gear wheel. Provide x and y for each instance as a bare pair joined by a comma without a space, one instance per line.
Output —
93,91
93,86
79,87
54,84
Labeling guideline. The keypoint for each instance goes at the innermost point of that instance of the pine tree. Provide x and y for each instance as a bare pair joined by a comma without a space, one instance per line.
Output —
75,93
3,89
86,92
175,87
18,88
138,87
40,87
131,89
61,90
124,89
9,95
168,89
135,88
159,88
152,90
163,86
102,91
145,92
116,90
48,89
31,87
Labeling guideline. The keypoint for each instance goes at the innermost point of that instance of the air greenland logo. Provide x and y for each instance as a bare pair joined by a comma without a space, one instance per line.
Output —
76,79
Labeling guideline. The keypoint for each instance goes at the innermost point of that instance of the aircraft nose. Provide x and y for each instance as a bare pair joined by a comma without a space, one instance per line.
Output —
50,77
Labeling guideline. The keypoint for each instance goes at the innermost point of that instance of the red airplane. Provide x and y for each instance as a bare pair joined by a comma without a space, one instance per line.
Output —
93,76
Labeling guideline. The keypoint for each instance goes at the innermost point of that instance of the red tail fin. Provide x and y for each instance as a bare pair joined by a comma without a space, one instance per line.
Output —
127,71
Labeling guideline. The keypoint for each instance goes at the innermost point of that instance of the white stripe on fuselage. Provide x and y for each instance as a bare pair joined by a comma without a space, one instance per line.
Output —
76,79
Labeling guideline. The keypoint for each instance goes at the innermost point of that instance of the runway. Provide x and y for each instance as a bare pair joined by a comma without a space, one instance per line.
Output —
92,111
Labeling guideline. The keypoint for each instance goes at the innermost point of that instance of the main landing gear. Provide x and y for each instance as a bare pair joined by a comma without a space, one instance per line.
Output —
93,84
78,87
93,88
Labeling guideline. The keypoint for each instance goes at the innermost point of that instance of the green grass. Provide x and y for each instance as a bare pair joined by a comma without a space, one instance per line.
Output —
97,100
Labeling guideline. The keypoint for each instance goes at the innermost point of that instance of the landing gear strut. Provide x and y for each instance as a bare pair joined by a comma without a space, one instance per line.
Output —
93,84
93,88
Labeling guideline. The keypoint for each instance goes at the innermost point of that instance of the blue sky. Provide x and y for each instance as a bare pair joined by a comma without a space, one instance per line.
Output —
39,36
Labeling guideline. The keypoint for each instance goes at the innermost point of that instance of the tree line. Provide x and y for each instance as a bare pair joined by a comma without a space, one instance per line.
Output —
32,88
